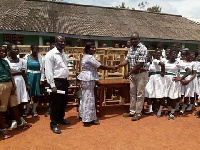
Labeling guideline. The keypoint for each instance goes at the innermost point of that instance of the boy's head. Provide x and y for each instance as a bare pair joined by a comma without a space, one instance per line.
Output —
3,52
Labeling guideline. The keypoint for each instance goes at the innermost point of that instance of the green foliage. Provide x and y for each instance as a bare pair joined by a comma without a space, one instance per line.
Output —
154,9
122,6
143,6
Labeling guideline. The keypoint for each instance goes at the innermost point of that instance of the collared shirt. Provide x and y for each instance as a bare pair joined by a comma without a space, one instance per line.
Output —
137,54
4,71
55,66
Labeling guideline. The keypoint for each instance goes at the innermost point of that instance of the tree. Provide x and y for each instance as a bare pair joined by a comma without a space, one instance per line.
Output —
122,6
155,8
143,5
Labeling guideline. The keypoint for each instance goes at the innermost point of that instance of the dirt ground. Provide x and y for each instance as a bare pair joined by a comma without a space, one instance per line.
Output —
114,133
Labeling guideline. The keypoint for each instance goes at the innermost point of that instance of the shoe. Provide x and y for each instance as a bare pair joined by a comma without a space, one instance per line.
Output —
47,113
55,129
197,114
5,133
24,125
189,109
196,104
35,114
136,117
149,113
171,116
22,120
95,122
64,122
14,124
181,112
87,124
26,113
167,112
128,115
158,115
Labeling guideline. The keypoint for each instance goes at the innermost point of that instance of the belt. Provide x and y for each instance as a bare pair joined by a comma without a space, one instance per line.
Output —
169,73
155,72
34,72
60,79
182,73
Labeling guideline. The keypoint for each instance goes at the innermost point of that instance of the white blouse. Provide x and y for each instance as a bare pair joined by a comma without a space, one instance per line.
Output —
89,68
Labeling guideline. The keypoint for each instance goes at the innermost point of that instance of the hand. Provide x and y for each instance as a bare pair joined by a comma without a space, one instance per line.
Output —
162,74
41,82
126,75
112,68
54,90
27,87
185,82
176,79
117,66
13,90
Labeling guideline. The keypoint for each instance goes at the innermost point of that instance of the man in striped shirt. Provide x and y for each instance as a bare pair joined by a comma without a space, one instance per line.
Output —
136,58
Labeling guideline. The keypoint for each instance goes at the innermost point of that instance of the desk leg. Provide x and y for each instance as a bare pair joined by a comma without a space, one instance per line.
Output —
101,99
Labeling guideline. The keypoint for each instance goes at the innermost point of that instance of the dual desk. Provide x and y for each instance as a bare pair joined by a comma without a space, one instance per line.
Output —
121,84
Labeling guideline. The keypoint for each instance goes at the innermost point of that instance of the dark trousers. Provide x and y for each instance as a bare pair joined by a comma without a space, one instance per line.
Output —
58,102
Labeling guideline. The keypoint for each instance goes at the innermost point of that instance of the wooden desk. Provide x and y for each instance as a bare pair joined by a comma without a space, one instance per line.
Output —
111,83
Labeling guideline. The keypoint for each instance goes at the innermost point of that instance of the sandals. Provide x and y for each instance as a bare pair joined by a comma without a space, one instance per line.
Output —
24,125
5,133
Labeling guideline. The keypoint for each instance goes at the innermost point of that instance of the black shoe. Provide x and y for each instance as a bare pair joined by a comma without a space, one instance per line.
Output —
197,114
64,122
149,113
136,117
47,113
95,122
167,112
55,129
128,115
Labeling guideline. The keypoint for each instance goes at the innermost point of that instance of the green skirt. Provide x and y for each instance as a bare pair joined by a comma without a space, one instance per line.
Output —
34,82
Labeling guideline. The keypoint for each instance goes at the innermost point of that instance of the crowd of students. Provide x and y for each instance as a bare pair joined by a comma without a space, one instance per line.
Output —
20,79
174,78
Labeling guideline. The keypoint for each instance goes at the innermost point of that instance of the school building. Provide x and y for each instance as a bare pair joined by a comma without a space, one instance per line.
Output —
30,21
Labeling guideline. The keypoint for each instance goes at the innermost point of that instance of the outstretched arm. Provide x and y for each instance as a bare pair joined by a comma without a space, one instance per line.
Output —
124,63
103,67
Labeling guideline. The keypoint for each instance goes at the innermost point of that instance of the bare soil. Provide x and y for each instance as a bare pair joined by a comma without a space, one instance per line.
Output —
114,133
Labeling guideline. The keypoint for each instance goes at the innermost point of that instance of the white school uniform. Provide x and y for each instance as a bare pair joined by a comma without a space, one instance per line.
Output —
21,92
155,87
172,88
197,79
189,89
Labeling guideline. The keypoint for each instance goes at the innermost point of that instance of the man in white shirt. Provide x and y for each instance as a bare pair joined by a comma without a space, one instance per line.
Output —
57,72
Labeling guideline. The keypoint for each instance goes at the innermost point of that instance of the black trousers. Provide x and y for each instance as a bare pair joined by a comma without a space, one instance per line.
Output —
58,102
